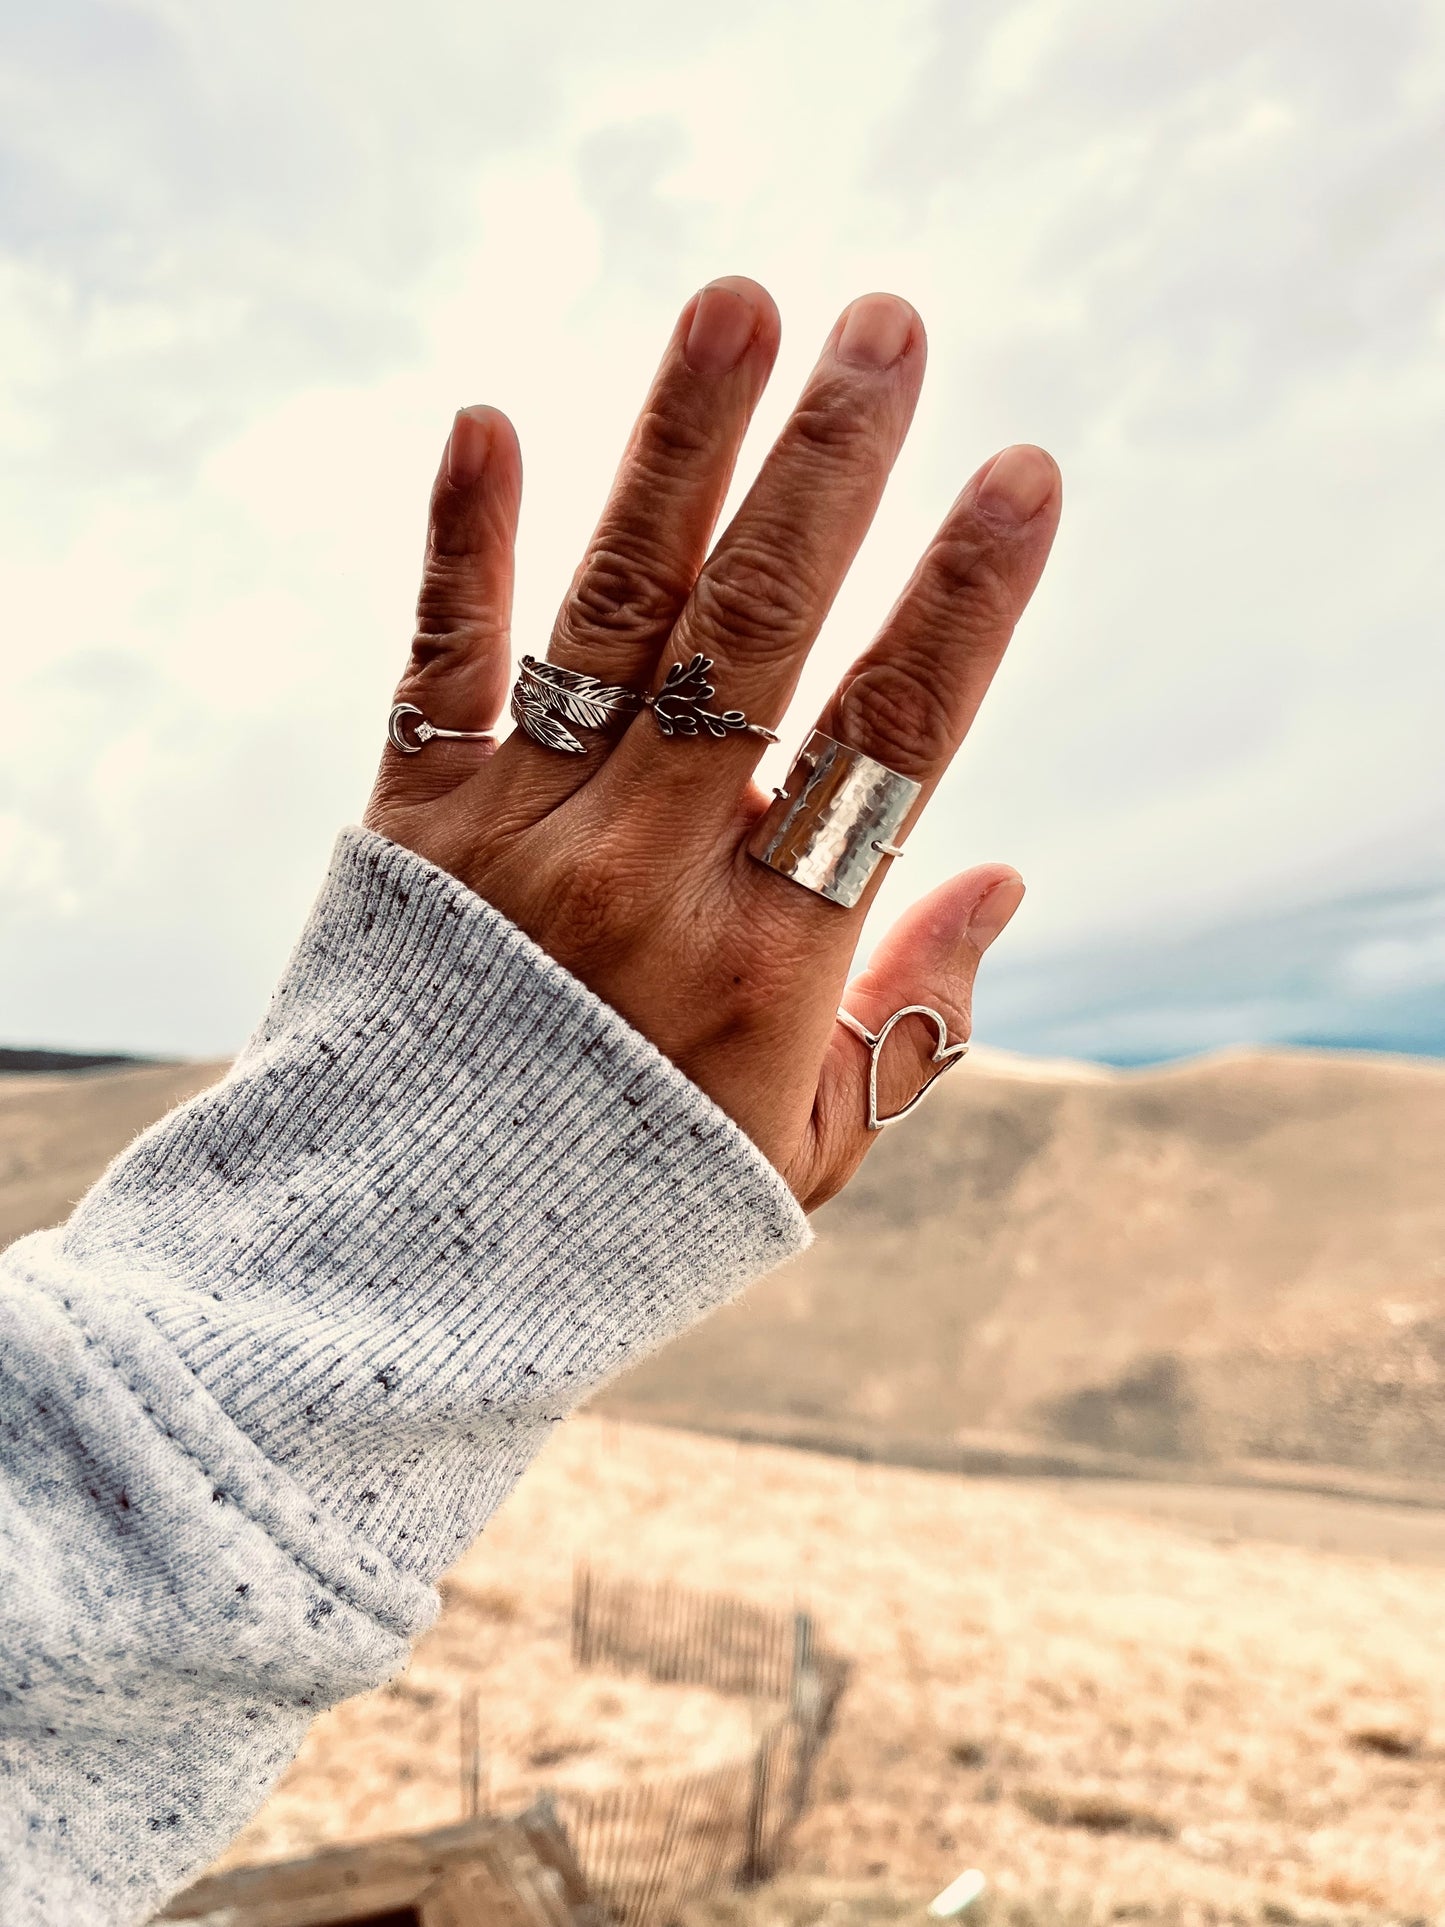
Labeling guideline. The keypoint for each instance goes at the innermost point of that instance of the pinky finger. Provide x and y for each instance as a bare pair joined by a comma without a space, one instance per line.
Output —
459,666
930,957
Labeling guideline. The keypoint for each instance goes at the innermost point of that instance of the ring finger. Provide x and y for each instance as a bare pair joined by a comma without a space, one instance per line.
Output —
647,548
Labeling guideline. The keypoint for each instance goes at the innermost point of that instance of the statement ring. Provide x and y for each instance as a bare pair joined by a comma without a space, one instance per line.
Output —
406,717
944,1056
834,821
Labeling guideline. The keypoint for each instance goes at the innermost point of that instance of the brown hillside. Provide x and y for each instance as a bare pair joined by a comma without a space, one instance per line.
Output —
59,1130
1238,1258
1241,1257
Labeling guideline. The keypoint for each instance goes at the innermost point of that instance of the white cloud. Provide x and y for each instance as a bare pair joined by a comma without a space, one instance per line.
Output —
251,260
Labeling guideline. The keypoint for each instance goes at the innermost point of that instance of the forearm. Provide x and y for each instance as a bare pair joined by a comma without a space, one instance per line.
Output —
300,1341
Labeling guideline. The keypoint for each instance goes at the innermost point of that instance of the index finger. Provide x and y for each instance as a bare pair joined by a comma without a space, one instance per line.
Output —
911,697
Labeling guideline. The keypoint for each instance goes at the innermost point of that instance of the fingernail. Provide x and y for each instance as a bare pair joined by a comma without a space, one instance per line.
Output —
723,323
1017,486
875,332
993,911
467,449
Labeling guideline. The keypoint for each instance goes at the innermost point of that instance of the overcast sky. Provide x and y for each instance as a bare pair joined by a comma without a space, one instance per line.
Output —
252,258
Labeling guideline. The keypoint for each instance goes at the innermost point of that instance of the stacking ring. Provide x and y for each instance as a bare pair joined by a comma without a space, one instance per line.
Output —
406,716
679,705
945,1055
550,702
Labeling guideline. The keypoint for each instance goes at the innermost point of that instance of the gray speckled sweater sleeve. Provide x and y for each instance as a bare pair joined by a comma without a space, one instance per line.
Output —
297,1345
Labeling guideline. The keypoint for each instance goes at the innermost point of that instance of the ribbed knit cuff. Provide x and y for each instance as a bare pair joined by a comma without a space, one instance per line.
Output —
444,1192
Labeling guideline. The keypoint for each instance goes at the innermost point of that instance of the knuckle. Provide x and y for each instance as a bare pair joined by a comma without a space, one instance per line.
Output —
953,1000
833,422
757,593
582,915
668,440
448,589
452,613
961,579
624,597
585,910
893,711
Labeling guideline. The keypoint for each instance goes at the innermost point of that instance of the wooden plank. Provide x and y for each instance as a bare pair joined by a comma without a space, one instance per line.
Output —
502,1872
359,1903
548,1841
471,1897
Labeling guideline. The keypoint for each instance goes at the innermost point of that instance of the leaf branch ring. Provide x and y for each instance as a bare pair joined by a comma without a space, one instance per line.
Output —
945,1055
550,702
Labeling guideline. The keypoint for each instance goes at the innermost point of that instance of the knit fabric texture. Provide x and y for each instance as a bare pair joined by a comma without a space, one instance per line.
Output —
296,1346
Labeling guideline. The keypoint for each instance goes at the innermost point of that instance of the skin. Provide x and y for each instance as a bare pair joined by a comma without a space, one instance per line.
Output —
629,864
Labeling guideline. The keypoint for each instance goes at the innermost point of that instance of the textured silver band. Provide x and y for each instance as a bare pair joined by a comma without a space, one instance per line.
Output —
834,820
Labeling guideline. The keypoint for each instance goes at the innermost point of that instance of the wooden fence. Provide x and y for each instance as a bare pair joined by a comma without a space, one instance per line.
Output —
648,1847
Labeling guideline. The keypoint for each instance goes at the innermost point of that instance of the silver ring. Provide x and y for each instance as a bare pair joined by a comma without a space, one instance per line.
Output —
546,698
945,1055
834,821
406,716
549,702
680,705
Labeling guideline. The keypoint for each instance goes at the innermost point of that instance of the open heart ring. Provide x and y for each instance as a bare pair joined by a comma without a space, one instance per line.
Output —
944,1055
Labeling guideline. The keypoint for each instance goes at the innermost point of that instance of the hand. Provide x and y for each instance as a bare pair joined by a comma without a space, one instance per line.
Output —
628,863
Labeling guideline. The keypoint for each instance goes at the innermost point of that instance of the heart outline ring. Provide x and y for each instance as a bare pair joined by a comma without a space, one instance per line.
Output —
945,1056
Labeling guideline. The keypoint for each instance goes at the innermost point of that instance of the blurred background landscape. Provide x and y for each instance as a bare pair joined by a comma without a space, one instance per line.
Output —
1102,1427
1102,1431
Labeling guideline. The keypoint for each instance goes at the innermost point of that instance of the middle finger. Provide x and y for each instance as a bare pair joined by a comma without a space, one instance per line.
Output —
764,592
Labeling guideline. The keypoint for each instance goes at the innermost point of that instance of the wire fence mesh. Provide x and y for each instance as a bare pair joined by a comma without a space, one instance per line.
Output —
672,1633
648,1847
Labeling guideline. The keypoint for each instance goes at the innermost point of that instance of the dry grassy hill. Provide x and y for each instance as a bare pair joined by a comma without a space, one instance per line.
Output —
1168,1704
59,1130
1241,1258
1237,1258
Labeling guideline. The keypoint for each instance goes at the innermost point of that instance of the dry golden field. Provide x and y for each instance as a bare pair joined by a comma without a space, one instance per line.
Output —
1114,1716
59,1130
1174,1703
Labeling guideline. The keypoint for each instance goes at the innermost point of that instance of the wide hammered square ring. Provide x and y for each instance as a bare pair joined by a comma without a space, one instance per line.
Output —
834,820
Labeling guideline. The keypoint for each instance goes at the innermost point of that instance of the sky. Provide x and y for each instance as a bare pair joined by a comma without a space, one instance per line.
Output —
251,260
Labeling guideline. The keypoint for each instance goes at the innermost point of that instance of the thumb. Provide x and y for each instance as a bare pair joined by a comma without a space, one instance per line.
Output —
930,956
